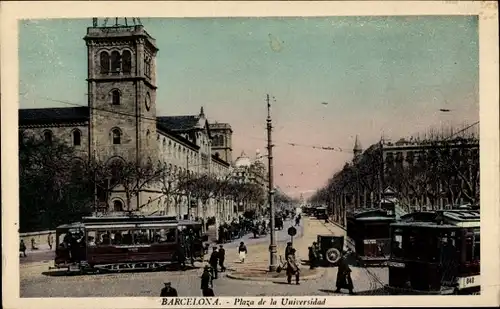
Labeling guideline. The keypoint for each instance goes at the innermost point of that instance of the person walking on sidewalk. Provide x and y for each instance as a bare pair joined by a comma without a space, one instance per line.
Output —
207,283
242,251
292,268
222,257
22,248
344,280
50,241
214,258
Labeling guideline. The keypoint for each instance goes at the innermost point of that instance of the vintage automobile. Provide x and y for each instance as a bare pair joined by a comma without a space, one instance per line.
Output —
127,243
440,257
331,248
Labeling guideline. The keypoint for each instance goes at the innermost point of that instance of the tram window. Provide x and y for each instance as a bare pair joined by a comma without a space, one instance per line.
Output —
91,238
477,247
171,235
141,237
469,246
397,244
155,235
103,238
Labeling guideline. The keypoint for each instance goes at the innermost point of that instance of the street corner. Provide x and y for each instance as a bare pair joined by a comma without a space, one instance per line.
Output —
264,275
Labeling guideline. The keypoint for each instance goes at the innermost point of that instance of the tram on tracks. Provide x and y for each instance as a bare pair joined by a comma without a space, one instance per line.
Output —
369,230
437,256
127,243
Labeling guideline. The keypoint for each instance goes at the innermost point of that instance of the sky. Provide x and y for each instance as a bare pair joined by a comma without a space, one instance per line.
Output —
332,78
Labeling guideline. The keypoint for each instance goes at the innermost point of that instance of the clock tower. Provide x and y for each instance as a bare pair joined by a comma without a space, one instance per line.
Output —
122,91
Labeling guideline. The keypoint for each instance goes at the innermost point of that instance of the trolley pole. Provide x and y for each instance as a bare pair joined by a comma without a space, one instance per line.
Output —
272,245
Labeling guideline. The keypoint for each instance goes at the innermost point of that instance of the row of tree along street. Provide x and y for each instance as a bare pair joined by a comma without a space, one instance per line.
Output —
431,173
58,187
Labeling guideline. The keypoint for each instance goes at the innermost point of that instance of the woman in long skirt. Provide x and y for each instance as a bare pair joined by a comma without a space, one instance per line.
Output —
242,250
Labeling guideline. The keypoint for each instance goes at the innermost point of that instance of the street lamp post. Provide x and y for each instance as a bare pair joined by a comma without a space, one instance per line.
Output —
272,245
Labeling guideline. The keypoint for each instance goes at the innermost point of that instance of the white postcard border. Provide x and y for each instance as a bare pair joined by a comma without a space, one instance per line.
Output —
489,129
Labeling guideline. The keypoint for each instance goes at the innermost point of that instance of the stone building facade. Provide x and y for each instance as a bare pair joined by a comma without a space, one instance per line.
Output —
121,123
253,171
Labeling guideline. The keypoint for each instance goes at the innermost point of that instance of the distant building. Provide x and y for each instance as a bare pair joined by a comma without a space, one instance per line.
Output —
247,170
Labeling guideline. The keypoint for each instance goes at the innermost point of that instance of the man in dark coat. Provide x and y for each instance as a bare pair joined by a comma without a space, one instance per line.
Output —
214,258
181,256
22,248
168,291
206,282
222,257
344,280
292,268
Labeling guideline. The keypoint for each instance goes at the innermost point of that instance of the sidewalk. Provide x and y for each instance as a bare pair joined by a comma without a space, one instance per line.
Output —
258,255
41,248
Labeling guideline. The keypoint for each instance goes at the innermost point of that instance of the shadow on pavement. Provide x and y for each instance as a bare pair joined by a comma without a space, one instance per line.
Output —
379,291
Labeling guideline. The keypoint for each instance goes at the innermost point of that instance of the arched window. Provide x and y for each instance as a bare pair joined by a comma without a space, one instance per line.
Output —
117,136
47,137
115,97
117,205
126,61
104,59
115,62
77,138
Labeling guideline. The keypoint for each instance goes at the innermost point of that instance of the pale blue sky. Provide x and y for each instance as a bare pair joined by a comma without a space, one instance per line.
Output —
378,74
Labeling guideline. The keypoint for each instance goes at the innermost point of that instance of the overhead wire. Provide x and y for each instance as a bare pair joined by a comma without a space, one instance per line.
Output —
293,144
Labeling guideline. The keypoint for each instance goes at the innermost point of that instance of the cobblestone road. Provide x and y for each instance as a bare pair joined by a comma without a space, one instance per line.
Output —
36,283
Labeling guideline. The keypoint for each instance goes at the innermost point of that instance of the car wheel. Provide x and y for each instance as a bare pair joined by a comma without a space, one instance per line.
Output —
332,255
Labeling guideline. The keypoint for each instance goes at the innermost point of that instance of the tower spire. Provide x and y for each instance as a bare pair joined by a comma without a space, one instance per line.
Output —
202,112
357,145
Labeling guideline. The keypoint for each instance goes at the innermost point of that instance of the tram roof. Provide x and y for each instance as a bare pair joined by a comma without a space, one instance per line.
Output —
375,214
461,215
111,222
423,224
73,225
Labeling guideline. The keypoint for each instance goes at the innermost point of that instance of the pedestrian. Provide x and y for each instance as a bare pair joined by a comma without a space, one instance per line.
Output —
222,257
181,256
242,251
344,280
33,244
207,283
22,248
214,257
168,291
50,240
297,221
292,268
316,255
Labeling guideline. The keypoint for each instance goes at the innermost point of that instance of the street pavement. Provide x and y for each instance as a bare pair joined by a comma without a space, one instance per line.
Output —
36,281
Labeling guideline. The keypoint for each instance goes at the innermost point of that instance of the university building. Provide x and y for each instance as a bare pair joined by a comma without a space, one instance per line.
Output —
121,122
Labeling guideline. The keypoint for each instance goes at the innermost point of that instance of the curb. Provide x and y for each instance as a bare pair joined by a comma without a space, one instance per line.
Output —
34,264
315,276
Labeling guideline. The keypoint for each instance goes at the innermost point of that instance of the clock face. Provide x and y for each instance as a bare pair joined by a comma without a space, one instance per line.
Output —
148,101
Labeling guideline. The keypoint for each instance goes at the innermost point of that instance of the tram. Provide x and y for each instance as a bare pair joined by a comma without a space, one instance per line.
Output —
127,243
369,229
436,257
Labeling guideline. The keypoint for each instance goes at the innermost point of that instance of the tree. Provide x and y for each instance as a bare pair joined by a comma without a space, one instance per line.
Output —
133,177
53,187
202,187
173,185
